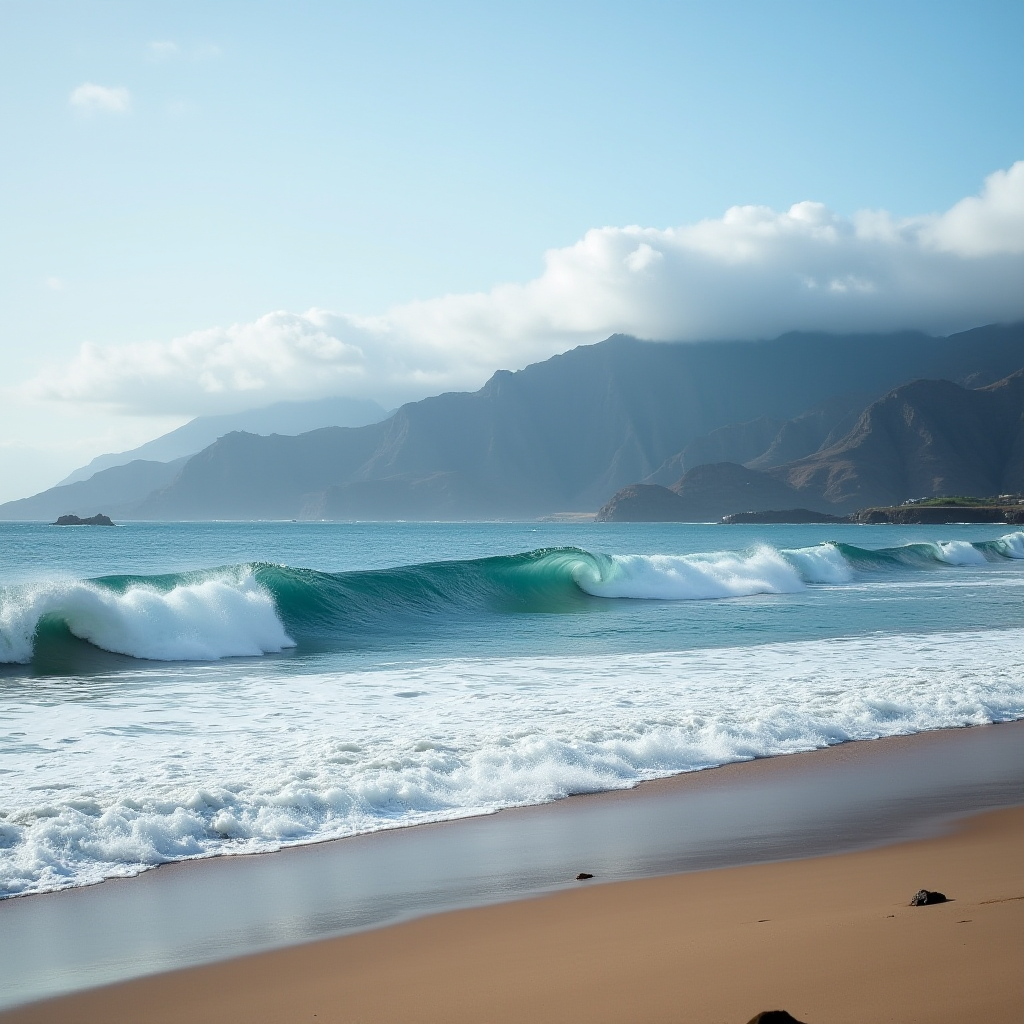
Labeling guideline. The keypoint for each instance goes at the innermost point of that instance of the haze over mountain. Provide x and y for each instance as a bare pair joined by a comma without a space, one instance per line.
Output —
278,418
923,439
117,491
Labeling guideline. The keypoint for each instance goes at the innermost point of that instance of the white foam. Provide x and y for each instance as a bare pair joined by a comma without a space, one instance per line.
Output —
322,755
959,552
823,563
699,577
229,616
1012,545
691,577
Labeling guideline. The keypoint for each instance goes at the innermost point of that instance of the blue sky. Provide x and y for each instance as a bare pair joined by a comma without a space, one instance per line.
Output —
240,159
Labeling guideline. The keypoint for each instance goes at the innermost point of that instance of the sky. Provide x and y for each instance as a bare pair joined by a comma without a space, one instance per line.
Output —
209,207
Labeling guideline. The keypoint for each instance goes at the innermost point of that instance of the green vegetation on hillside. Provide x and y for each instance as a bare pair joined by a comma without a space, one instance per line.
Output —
967,501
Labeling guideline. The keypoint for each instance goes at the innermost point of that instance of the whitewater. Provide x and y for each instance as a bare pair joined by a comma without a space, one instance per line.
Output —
171,691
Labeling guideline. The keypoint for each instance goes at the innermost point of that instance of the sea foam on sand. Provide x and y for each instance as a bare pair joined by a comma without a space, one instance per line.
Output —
322,755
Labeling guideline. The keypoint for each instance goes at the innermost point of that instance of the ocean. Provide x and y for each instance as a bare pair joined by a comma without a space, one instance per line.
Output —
174,691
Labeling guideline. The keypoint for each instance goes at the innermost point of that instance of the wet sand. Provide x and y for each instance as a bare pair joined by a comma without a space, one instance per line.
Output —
641,950
831,939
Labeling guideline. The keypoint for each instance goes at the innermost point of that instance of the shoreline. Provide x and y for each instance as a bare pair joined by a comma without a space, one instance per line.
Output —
853,796
715,774
830,938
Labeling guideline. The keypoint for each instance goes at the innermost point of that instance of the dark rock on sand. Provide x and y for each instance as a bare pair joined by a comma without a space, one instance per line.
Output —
925,898
773,1017
583,875
97,520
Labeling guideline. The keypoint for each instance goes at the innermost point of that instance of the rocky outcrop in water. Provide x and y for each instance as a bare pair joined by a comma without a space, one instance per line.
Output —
97,520
115,489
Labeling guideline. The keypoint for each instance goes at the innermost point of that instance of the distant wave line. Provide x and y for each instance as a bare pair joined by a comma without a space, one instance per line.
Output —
259,608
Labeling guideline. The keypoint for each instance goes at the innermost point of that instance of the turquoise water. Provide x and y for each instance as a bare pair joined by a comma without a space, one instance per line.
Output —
182,690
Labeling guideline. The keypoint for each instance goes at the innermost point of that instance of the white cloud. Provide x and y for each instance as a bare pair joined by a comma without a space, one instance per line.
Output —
754,272
985,225
93,99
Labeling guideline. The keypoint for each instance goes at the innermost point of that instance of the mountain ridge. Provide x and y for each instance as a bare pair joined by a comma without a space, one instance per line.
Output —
289,417
567,432
116,490
564,433
925,438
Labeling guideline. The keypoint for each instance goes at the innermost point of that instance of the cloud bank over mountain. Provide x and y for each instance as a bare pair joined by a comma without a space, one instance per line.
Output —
755,272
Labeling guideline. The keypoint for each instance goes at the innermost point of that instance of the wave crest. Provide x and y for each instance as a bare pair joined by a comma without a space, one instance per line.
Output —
689,577
1010,546
204,620
256,609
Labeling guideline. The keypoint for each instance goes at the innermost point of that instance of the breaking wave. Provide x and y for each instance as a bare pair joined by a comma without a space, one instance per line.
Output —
432,752
259,608
162,618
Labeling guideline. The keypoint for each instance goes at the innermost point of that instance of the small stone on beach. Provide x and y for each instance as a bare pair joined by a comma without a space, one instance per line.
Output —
773,1017
583,875
925,898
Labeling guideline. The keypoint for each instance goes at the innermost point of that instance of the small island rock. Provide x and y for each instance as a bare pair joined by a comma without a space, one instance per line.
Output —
97,520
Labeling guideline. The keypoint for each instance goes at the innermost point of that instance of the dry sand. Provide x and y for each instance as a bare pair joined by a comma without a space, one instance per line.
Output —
830,939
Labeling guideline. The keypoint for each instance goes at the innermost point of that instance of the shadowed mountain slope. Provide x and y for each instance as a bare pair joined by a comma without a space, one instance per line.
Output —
924,439
928,438
738,442
766,442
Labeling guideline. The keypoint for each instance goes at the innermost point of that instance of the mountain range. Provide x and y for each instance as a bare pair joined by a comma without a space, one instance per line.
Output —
923,439
119,481
279,418
567,433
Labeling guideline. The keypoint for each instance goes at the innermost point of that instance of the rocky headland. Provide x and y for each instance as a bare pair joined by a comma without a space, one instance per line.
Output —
788,516
919,441
907,515
902,515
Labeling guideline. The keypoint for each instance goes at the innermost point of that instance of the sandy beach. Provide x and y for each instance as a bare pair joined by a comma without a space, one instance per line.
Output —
829,938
